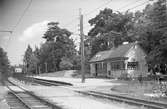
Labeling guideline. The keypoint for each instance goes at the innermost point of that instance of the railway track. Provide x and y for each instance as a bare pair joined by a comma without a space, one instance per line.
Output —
42,81
128,100
113,97
18,98
119,98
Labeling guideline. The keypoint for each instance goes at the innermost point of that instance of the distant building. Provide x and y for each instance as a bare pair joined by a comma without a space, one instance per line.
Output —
18,70
127,59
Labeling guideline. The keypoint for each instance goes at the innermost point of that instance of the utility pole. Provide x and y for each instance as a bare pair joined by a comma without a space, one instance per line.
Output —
82,47
166,5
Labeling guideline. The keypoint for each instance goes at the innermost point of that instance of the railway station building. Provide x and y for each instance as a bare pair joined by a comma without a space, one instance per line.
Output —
127,60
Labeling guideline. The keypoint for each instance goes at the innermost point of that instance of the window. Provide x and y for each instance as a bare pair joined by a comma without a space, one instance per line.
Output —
132,65
117,65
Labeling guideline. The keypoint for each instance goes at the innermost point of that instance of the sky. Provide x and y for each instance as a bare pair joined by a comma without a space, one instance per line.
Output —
28,28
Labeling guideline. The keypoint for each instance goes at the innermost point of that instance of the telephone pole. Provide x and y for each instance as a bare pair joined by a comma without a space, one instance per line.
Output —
82,47
166,5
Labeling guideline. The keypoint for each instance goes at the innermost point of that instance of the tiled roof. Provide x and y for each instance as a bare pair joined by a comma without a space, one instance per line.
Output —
118,52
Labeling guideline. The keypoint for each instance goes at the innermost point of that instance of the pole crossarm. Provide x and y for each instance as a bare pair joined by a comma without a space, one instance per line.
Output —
6,31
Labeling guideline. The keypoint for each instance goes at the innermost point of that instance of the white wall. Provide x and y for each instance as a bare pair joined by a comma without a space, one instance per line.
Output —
134,53
138,54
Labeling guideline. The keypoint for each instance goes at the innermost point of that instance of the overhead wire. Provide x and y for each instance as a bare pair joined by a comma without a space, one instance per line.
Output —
128,5
72,21
97,8
92,12
139,5
129,8
19,20
22,15
118,8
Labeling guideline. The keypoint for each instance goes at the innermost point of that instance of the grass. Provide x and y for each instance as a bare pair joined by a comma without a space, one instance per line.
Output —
135,89
3,104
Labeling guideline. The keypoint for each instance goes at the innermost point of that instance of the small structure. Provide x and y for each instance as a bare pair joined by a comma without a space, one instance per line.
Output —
127,59
18,70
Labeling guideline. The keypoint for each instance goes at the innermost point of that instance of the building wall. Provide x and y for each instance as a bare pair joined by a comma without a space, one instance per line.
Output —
134,54
138,55
98,70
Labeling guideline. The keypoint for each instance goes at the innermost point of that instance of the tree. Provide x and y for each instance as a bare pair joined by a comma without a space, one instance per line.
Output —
65,64
58,45
4,62
154,38
110,30
30,60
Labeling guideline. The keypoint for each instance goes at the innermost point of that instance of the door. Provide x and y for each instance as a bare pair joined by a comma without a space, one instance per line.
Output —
105,68
96,69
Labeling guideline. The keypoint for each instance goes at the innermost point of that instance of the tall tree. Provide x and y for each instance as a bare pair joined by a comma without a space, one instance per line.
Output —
60,45
30,61
4,62
110,30
154,38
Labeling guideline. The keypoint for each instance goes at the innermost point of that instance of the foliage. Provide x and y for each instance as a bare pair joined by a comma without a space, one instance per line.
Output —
30,61
154,38
58,52
110,30
148,27
4,62
65,64
60,43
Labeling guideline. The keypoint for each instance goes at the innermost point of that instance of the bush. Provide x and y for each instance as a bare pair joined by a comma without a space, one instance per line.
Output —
65,65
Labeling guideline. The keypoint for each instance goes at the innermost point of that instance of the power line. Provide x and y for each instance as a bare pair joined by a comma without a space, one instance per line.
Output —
97,8
19,20
70,22
139,5
88,13
128,4
129,9
114,10
22,15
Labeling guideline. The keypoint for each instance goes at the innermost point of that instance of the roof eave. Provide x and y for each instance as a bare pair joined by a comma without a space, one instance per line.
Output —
111,59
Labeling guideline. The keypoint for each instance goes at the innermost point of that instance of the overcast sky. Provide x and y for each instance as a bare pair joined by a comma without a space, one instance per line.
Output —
34,23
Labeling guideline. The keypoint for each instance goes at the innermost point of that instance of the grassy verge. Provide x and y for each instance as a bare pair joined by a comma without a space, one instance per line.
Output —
149,90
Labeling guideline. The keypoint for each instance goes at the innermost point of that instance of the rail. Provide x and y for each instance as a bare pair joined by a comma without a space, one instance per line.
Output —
41,100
